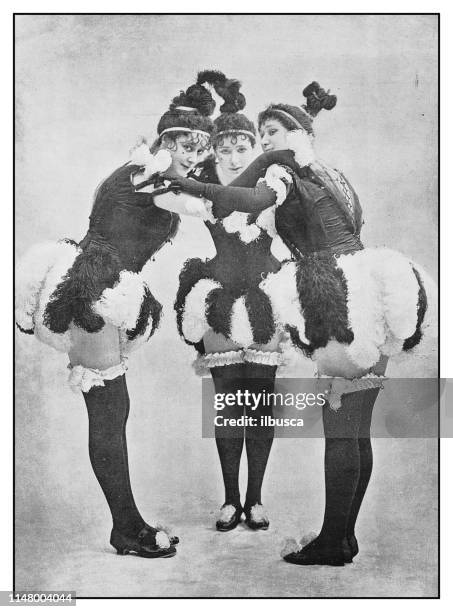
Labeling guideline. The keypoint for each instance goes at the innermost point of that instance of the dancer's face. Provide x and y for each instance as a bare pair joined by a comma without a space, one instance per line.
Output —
273,135
234,154
186,151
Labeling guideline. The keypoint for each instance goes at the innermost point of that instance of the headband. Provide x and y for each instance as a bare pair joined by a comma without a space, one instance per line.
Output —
185,108
234,131
184,129
293,119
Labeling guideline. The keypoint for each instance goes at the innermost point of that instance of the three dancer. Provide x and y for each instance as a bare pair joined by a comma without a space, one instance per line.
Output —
344,306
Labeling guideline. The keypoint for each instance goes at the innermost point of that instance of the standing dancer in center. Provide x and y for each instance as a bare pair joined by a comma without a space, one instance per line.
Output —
222,312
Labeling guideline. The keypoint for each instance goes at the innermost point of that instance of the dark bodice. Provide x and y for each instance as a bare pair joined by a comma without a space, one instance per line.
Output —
128,222
318,216
321,210
237,263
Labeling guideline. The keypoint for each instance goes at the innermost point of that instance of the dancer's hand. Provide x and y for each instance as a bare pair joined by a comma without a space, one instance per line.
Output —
190,186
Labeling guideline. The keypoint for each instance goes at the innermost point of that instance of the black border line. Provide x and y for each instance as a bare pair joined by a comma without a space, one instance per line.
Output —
438,292
439,265
14,284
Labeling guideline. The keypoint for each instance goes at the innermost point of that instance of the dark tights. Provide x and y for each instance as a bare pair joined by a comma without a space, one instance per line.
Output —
230,440
348,463
108,410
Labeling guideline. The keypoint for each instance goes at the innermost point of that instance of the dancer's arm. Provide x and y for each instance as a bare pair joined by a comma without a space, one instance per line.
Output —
257,168
270,190
185,204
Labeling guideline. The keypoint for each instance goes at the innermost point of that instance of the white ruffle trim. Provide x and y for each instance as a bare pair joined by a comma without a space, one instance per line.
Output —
281,289
215,360
382,303
65,256
274,180
142,156
266,221
31,273
121,304
202,364
271,358
236,222
38,273
300,142
241,330
335,388
194,323
84,379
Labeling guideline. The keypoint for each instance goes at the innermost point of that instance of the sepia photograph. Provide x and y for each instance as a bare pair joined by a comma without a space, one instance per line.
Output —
226,305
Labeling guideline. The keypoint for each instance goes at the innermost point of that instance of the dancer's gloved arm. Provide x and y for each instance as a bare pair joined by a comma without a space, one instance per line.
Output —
226,199
257,168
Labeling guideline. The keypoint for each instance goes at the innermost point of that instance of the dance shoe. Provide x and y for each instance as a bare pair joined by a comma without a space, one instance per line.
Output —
229,517
148,543
256,517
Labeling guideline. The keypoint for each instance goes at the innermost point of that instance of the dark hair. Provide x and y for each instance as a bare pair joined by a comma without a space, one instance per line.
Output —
317,99
230,123
199,102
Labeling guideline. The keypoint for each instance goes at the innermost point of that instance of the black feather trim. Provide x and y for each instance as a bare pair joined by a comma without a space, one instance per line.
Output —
25,331
322,290
422,305
150,307
219,304
93,270
192,271
259,310
306,349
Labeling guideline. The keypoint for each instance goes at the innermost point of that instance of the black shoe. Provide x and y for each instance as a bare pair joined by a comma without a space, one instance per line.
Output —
256,517
230,517
146,544
316,553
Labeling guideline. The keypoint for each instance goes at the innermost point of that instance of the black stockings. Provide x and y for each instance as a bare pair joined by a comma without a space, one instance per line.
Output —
348,463
108,410
258,440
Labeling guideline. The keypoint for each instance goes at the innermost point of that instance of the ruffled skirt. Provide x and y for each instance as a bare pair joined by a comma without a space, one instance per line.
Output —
239,312
59,284
243,314
346,312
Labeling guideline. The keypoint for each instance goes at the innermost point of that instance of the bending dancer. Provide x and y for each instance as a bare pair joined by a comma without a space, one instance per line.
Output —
346,307
90,301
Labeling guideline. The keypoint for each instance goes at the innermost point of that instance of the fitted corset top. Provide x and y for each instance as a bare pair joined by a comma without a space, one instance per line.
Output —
240,263
313,219
129,221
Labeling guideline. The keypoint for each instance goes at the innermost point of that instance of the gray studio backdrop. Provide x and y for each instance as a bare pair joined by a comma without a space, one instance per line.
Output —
87,87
